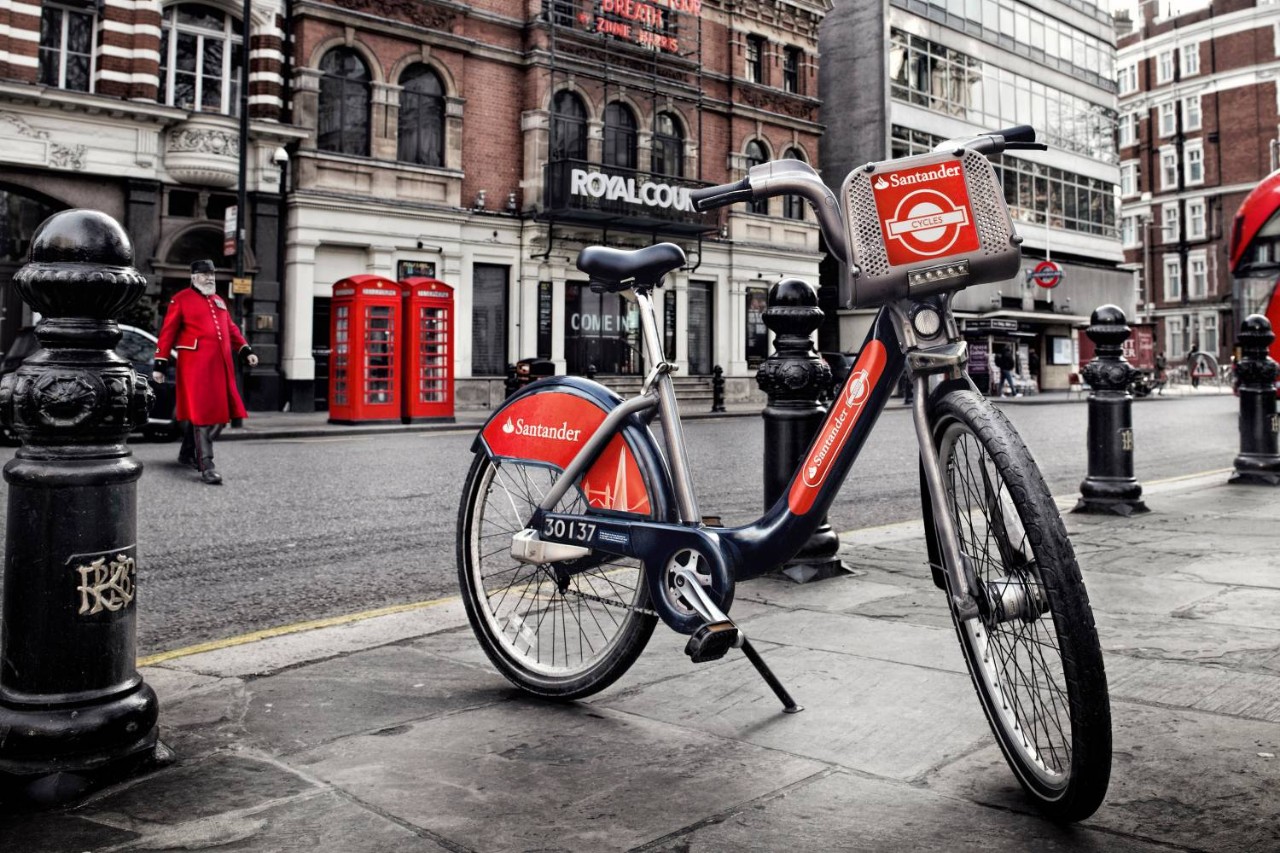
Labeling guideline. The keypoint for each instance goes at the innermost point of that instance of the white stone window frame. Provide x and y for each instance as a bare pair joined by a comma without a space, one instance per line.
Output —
1189,59
1208,325
1186,113
95,24
1193,147
229,96
1128,128
1130,231
1129,167
1194,231
1172,266
1198,259
1164,67
1127,79
1167,120
1169,222
1168,168
1174,331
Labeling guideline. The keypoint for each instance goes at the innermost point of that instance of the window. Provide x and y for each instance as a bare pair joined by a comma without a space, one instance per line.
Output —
1190,59
1128,129
568,127
791,70
1129,178
619,136
489,319
342,125
1129,231
1164,67
1209,333
1175,334
420,138
1128,79
756,155
755,59
1197,276
668,146
1196,226
1168,169
1172,278
793,205
1168,118
66,49
1191,116
1194,156
1169,222
200,56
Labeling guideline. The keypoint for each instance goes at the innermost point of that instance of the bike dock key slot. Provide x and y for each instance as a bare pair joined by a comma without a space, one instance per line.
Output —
714,639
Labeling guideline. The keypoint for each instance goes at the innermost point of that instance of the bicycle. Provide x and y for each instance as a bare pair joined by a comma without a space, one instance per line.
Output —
577,535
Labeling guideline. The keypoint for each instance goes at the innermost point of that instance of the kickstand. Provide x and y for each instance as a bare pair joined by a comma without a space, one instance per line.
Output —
789,705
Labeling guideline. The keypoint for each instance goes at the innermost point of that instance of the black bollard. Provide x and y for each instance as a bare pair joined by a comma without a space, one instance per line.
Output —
794,378
1259,461
1110,486
512,383
74,712
591,370
717,389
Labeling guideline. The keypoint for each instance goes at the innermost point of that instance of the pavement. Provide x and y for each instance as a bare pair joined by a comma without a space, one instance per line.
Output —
261,425
392,732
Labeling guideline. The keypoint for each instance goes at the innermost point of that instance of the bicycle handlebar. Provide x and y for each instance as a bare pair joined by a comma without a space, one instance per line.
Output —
708,198
1019,137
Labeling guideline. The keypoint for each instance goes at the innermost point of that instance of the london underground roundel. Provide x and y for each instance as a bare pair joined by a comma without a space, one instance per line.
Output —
925,213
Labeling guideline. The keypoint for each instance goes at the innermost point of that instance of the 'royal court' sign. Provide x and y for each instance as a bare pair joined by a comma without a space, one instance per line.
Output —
630,190
578,191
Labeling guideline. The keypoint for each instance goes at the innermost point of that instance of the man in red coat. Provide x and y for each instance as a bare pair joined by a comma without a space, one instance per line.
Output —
199,327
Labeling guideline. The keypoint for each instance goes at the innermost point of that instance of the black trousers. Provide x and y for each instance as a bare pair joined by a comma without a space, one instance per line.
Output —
197,444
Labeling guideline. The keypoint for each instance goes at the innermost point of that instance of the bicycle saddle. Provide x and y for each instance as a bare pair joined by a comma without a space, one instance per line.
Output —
618,269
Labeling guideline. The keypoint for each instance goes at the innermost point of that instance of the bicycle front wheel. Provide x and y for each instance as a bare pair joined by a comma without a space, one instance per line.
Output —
557,630
1033,653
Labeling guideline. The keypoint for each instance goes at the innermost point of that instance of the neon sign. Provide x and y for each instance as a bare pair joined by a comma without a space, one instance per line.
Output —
642,22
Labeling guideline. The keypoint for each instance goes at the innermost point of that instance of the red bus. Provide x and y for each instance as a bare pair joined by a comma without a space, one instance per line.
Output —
1255,256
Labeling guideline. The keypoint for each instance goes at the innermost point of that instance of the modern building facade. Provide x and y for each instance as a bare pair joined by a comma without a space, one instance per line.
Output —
900,76
1198,124
481,143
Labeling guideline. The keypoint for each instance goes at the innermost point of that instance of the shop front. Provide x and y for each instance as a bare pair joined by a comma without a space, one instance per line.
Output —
1044,348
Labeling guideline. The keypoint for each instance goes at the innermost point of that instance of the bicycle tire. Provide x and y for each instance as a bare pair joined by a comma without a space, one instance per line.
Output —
508,602
1028,670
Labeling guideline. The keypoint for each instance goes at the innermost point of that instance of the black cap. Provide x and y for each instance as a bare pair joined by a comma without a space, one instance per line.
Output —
201,266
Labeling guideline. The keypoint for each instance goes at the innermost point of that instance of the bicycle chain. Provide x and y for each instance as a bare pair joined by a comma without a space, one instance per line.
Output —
610,602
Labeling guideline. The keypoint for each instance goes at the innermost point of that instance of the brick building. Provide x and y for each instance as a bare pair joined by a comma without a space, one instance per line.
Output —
484,143
1198,118
129,106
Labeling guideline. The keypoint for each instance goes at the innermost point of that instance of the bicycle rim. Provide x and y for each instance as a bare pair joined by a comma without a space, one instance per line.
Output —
547,627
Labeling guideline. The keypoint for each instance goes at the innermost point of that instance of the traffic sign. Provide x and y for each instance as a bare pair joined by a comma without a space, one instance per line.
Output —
1047,274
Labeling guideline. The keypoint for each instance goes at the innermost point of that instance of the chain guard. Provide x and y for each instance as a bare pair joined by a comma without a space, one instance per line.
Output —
661,594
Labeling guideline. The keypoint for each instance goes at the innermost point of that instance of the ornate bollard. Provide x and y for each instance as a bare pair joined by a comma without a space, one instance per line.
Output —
74,712
717,389
1110,486
794,378
1259,461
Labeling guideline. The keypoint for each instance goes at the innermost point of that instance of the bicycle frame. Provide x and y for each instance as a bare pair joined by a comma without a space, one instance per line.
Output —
740,553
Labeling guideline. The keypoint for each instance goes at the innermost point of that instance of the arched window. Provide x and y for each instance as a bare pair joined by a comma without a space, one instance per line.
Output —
756,154
201,49
421,135
668,146
793,205
568,127
343,124
619,136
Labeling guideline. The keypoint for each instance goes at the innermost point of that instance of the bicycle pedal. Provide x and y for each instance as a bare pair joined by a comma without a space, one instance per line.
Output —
712,641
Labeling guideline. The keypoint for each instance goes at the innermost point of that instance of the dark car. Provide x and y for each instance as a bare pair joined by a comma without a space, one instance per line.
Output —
139,349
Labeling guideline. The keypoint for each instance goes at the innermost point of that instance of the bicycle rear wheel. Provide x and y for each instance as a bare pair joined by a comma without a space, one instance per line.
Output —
551,633
1033,654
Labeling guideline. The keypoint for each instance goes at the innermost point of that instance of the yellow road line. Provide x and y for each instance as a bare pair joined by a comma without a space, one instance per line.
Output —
295,628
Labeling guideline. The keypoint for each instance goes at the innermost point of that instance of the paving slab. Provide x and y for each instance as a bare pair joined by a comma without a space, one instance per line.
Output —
1248,607
834,594
535,776
843,811
883,718
1247,695
1179,777
1242,649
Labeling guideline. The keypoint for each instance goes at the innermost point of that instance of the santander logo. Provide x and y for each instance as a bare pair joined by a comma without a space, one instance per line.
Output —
556,433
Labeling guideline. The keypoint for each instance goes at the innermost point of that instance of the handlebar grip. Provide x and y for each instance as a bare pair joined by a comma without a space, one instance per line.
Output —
1018,133
711,197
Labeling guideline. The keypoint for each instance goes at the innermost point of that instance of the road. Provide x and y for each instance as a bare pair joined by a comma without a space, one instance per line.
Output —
310,528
